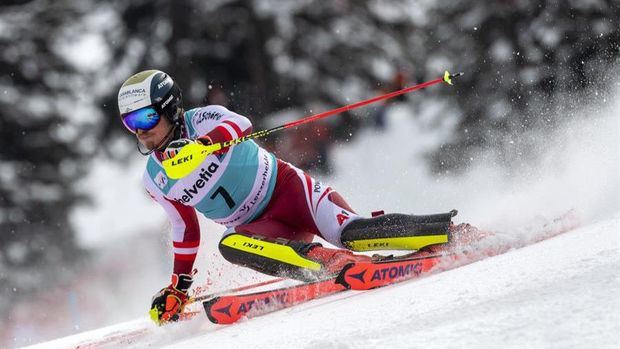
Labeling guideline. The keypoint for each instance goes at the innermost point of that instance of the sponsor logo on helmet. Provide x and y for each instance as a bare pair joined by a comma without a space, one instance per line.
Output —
132,99
133,91
163,83
167,101
190,192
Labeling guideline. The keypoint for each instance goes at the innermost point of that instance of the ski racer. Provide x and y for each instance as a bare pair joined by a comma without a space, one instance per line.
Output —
271,209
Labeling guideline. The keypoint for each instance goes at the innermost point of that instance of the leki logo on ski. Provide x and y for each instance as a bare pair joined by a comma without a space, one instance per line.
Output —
253,246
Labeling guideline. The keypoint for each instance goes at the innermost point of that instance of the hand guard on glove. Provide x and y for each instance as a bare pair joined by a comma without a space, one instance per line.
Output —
175,147
169,302
204,140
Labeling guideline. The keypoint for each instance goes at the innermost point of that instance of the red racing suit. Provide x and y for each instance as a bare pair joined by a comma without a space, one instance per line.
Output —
244,188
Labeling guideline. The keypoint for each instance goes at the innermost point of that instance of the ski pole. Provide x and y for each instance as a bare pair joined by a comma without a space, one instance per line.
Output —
194,299
192,155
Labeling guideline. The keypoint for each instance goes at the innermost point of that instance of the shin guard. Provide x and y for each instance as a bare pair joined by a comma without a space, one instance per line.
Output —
276,257
397,232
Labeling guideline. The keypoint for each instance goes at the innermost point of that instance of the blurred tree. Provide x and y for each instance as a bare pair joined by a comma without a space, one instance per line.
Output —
204,46
527,63
40,153
263,56
63,61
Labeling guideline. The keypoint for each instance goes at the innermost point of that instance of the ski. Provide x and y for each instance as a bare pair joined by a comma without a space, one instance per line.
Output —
368,275
231,308
197,297
469,247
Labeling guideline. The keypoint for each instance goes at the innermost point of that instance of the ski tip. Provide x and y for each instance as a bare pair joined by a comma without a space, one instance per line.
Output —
208,305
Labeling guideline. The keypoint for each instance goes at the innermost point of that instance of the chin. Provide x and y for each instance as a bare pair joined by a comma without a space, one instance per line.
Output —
148,145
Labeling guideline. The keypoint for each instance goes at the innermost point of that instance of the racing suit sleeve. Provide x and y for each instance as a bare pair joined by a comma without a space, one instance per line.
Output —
185,228
223,125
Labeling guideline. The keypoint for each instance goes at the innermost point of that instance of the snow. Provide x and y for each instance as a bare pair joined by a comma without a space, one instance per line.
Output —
110,218
562,292
557,292
578,168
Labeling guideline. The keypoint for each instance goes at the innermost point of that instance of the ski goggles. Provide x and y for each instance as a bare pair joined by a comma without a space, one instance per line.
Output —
143,119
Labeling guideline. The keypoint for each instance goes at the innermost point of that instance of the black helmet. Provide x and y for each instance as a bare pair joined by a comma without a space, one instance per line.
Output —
152,88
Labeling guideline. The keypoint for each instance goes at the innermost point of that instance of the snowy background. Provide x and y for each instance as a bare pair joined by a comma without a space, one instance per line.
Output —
530,131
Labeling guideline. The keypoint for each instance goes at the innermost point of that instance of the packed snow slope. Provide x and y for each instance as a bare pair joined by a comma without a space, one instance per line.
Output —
562,292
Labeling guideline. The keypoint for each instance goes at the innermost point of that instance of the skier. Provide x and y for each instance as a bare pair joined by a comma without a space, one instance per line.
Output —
272,210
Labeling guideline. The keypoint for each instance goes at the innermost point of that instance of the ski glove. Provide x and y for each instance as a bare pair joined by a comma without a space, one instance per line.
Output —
169,302
204,140
175,146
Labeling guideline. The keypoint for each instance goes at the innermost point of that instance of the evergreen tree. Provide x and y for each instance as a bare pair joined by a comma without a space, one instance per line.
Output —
40,157
527,64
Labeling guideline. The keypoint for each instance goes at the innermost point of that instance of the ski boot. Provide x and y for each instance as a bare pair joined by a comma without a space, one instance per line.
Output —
333,260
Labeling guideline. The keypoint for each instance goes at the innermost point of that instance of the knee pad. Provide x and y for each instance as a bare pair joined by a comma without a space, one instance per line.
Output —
397,232
276,257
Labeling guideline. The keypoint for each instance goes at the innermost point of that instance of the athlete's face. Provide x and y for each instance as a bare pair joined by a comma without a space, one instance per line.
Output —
155,136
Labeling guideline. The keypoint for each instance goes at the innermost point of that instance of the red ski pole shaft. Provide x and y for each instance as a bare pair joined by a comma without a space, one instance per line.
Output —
361,103
446,78
233,290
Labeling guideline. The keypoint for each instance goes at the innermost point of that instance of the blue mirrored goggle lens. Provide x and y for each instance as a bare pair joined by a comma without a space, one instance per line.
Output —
143,119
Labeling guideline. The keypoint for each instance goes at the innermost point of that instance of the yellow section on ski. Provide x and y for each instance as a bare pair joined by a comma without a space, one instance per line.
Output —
269,250
397,243
188,159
